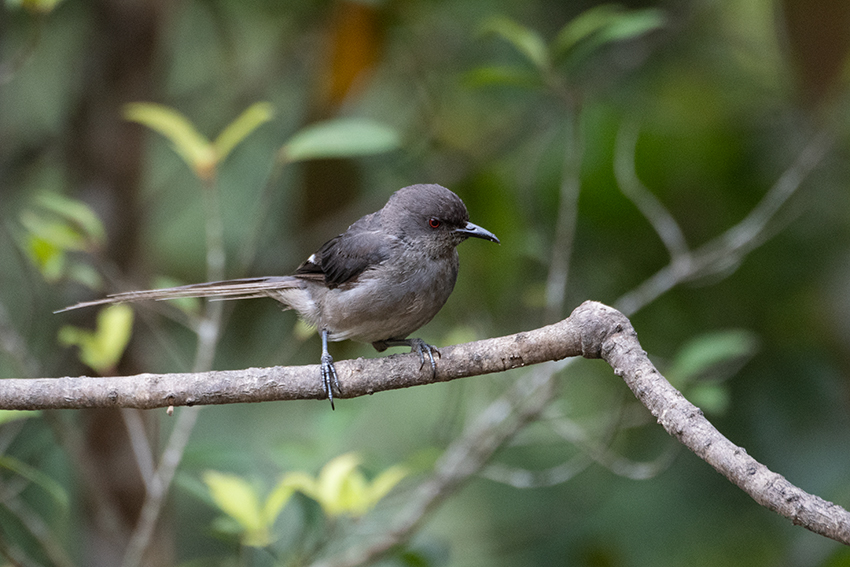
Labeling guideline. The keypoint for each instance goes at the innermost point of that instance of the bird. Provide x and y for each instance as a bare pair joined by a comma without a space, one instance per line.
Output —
379,281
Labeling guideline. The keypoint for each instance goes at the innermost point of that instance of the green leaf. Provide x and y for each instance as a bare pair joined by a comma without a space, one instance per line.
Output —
525,40
333,481
254,117
47,257
502,76
713,356
583,26
101,349
39,7
601,25
195,149
383,483
77,212
85,275
338,138
55,232
633,24
710,397
7,416
276,501
341,487
239,500
35,476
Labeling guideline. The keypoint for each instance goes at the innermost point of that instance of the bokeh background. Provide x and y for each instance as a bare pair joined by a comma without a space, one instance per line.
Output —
707,108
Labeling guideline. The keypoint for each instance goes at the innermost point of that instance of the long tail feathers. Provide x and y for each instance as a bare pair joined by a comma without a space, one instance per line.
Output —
246,288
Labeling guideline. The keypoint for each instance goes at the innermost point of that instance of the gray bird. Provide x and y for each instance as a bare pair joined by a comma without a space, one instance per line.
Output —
377,282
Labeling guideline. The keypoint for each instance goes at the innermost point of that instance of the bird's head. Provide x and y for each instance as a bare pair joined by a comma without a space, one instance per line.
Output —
432,216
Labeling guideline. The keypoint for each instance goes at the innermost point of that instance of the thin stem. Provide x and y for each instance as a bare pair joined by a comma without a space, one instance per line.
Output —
463,458
9,69
159,485
559,265
14,345
653,211
142,450
208,331
725,253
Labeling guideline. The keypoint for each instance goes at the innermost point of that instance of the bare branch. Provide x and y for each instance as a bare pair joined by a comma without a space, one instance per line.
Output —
619,347
593,331
359,377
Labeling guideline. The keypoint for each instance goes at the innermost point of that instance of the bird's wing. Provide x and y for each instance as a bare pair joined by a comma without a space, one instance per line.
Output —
245,288
346,256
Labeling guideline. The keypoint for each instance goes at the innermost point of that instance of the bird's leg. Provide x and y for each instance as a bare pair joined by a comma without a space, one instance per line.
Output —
329,377
416,345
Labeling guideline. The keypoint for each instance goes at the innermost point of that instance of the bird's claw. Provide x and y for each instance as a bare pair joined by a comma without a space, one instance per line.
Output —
421,347
329,378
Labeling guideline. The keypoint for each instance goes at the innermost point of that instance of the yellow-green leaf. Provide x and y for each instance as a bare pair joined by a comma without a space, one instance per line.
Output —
39,7
57,232
77,212
341,488
255,116
332,479
238,499
384,482
195,149
48,257
276,501
14,415
338,138
102,348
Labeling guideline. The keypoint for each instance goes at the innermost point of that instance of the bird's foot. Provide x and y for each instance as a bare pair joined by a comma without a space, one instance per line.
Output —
329,377
421,347
416,345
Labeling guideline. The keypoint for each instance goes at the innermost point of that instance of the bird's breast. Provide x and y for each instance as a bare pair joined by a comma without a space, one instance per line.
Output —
390,300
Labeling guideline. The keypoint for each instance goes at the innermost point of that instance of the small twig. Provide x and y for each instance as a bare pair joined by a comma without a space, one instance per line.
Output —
10,68
725,252
466,456
562,245
142,450
648,204
208,331
14,345
158,487
525,478
601,453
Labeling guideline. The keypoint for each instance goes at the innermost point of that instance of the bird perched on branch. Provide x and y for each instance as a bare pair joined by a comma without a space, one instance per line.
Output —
377,282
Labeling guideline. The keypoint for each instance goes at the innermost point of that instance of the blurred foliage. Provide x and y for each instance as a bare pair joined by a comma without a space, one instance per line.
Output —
102,348
340,489
201,155
504,103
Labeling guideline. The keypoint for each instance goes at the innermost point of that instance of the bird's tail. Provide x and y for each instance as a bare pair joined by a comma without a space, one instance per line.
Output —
246,288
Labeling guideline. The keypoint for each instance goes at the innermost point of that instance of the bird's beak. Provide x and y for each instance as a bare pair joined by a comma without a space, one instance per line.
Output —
476,231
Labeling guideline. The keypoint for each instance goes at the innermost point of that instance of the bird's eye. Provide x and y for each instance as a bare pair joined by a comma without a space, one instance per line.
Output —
434,223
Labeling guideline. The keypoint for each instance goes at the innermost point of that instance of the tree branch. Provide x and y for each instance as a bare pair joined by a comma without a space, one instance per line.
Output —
358,377
593,331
